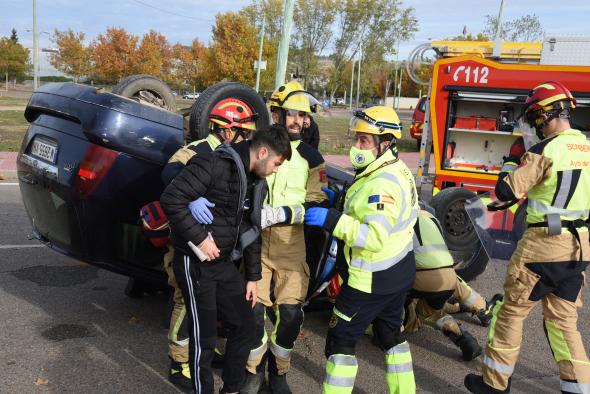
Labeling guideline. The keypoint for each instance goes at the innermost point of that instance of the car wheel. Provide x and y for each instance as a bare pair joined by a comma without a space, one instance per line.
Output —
147,90
204,104
450,211
470,264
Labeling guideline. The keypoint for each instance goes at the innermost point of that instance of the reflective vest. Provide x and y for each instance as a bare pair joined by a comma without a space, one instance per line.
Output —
377,223
184,154
564,194
430,249
288,186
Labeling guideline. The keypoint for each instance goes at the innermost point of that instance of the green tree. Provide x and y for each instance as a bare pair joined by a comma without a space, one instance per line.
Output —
470,37
525,28
377,25
14,59
73,57
313,21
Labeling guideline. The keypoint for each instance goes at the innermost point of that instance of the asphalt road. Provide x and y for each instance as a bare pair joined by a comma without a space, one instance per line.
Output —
67,327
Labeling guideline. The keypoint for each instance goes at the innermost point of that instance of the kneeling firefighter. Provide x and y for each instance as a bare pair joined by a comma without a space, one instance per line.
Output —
376,227
436,281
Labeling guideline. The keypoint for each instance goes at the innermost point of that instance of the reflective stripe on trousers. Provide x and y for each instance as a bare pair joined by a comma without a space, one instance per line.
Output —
574,387
399,371
340,374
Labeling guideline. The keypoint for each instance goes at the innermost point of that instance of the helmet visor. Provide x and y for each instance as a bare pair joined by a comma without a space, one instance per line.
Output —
299,100
529,134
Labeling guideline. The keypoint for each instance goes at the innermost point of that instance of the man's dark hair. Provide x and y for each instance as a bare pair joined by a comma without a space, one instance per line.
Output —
274,137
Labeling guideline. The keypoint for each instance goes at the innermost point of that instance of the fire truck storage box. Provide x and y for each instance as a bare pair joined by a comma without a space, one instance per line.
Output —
475,123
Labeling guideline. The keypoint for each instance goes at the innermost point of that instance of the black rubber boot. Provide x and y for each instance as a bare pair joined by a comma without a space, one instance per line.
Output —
485,315
467,343
475,384
180,375
253,383
278,384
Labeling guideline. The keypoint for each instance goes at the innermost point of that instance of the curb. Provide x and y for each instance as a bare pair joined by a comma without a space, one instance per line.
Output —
8,175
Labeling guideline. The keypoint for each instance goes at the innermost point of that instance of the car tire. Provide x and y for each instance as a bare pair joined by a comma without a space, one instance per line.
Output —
457,228
157,92
473,265
204,104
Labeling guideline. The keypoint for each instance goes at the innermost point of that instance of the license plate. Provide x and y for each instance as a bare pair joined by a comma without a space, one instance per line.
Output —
44,150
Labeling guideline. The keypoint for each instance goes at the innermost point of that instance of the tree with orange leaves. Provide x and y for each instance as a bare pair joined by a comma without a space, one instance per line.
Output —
233,51
73,58
154,56
188,67
114,55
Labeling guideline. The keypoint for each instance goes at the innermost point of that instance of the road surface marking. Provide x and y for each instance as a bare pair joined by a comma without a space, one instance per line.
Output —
8,184
21,246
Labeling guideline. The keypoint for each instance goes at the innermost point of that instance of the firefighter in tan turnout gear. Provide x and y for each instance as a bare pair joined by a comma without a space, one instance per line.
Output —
436,281
376,227
549,262
231,120
296,186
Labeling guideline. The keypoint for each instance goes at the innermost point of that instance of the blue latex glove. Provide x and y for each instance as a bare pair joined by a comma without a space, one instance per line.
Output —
200,210
316,216
331,194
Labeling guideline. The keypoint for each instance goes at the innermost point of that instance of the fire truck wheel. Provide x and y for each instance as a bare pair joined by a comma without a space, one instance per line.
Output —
457,228
199,123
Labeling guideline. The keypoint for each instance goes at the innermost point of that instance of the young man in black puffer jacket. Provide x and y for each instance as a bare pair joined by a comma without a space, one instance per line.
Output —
231,178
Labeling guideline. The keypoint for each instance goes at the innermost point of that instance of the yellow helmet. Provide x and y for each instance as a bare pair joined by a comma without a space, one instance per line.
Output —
378,120
292,96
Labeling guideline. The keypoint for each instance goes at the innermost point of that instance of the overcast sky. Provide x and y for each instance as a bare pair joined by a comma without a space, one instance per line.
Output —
183,20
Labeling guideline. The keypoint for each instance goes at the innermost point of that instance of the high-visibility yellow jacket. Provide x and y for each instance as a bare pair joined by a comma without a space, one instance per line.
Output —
556,175
376,226
430,249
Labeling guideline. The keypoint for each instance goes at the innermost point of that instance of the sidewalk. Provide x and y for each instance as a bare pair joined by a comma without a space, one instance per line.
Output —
8,165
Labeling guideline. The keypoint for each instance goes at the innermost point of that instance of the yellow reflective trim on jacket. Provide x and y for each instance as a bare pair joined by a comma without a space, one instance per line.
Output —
288,185
564,193
377,235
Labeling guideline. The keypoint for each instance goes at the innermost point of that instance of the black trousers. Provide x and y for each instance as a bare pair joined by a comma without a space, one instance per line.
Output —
212,290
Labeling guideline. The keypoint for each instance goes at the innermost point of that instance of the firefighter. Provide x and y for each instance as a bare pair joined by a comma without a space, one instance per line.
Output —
376,226
231,120
549,261
296,186
436,281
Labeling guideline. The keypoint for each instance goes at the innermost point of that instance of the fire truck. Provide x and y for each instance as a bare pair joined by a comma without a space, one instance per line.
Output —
471,121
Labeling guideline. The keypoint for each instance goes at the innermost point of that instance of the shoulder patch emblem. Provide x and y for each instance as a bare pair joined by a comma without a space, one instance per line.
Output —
333,321
323,175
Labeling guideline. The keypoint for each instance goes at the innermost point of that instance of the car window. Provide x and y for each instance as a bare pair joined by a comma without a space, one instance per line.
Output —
422,105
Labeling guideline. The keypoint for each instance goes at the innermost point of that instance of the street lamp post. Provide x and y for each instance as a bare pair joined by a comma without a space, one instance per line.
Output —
35,48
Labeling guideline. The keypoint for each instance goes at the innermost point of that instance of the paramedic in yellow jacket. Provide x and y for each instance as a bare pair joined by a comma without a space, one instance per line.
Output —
296,186
230,128
550,259
436,281
376,227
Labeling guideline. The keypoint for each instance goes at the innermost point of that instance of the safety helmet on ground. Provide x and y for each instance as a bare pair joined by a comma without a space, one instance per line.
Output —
550,98
378,120
234,114
293,96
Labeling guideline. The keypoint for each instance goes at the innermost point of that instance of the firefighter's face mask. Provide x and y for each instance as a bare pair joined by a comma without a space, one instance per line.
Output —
529,134
364,150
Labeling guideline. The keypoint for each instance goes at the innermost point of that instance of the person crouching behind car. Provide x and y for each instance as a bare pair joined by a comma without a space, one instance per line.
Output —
222,129
232,179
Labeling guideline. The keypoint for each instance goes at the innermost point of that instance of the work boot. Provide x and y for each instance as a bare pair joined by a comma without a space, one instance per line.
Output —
475,384
485,315
453,306
253,383
278,384
180,375
467,343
